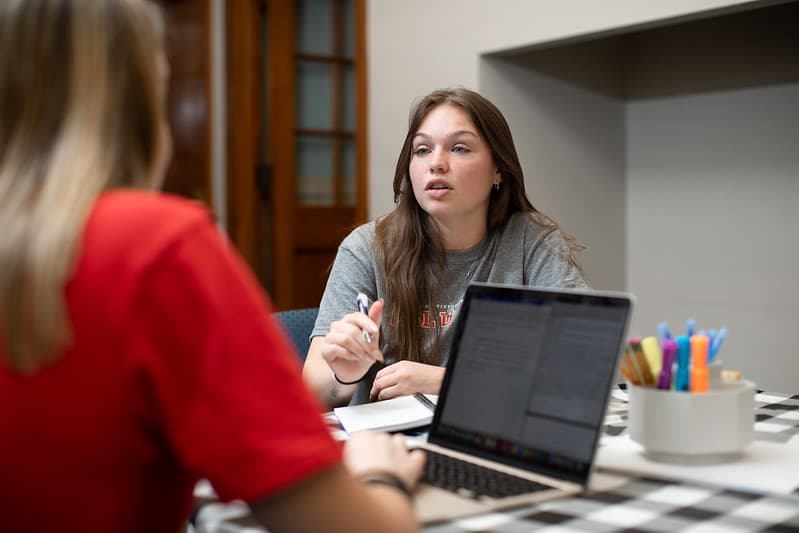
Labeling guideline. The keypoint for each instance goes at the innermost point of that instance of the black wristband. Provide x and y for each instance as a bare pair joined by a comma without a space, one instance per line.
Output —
388,479
351,382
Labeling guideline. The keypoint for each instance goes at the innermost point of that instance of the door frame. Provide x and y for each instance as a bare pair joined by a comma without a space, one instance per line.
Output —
244,85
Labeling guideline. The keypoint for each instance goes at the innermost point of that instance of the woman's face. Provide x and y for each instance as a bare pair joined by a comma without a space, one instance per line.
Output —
452,169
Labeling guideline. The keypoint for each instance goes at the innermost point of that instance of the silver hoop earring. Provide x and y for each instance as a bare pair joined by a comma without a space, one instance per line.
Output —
496,186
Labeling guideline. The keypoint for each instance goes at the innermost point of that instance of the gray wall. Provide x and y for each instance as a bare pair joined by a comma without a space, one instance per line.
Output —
571,144
610,152
712,217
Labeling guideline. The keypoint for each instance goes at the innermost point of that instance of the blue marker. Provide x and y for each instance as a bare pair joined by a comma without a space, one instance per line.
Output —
715,344
690,327
663,332
682,379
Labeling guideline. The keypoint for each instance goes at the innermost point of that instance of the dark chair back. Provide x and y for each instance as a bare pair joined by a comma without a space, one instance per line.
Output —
298,324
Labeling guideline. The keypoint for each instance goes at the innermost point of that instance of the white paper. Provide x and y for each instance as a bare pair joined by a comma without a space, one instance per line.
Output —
763,467
404,412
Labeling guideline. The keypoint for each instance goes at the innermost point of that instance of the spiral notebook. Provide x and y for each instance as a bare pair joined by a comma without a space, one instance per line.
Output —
396,414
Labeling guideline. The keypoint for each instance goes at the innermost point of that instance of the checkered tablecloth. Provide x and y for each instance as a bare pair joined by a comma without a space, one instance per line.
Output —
637,505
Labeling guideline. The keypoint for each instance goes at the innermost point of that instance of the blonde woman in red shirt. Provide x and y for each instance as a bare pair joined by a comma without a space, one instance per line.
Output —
137,353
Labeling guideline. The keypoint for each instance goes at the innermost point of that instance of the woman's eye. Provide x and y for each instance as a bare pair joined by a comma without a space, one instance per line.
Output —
460,149
421,151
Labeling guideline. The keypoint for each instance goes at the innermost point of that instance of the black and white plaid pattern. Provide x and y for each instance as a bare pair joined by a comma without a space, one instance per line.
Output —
777,416
637,505
644,505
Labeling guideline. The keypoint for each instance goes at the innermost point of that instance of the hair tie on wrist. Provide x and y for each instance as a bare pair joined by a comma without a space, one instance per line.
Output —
388,479
350,382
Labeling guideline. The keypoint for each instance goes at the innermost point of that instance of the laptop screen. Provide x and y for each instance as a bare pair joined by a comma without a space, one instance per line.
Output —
529,376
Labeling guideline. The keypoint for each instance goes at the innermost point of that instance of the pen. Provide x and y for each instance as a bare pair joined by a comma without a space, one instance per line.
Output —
663,332
690,327
628,367
641,364
669,353
363,306
681,380
715,344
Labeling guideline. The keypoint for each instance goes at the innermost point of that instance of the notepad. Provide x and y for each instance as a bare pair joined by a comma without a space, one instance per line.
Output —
396,414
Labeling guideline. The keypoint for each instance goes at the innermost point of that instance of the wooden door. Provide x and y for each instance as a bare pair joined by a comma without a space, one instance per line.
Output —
295,136
315,139
187,43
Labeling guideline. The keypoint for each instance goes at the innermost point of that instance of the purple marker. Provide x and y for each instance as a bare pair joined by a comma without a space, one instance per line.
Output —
669,353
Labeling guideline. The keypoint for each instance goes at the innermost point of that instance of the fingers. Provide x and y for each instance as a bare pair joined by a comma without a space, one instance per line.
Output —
394,380
417,461
365,452
366,322
347,334
386,393
385,379
410,464
376,312
406,377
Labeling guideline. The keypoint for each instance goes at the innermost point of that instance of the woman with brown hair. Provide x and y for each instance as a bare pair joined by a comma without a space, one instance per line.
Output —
462,215
137,353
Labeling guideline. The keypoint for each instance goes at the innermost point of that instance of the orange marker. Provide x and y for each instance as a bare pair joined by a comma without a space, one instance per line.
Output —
699,375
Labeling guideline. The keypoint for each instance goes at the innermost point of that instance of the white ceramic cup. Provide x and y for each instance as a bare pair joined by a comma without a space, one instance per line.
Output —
692,428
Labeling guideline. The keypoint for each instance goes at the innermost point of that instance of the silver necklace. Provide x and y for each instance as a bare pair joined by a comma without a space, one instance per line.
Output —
467,278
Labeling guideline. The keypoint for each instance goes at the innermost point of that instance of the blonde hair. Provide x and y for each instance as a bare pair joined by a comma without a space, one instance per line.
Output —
82,110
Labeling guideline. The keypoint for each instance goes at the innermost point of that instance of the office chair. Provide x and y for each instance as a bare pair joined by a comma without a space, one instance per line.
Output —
298,324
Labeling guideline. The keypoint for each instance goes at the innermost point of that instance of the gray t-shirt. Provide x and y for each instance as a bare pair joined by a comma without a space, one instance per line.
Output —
523,252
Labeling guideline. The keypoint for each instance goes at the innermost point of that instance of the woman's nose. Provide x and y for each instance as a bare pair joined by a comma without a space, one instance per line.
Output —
438,163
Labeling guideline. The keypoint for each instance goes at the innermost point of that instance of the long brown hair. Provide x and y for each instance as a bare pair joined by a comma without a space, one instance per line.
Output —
408,243
82,105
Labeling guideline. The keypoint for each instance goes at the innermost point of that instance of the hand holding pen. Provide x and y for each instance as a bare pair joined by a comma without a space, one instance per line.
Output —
350,347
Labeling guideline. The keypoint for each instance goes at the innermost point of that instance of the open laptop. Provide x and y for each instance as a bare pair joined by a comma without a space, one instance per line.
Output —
525,392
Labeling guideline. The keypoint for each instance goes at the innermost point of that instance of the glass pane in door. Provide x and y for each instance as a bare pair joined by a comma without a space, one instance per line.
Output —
314,166
314,27
348,28
314,95
347,98
349,172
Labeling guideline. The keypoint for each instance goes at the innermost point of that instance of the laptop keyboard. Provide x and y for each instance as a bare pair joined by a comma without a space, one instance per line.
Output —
477,481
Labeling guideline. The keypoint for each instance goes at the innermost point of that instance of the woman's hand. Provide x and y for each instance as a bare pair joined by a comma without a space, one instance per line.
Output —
367,452
345,349
407,377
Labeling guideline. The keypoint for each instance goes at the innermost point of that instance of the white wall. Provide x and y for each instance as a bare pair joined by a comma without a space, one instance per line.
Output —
415,46
713,190
571,145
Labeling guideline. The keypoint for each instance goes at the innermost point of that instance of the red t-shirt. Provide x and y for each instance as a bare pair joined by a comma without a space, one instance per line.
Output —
177,371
